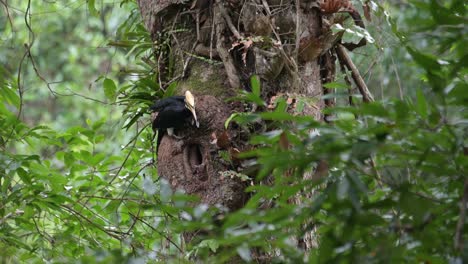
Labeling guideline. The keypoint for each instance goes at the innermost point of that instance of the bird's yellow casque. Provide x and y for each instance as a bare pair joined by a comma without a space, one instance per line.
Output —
190,104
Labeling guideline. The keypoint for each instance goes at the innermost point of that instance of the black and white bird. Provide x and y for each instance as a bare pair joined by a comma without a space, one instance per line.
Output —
174,112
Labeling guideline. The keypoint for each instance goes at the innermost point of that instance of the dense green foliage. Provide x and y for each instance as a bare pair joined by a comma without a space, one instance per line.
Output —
75,186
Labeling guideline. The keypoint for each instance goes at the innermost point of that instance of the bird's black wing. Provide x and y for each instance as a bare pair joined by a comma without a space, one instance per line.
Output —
163,103
171,116
172,113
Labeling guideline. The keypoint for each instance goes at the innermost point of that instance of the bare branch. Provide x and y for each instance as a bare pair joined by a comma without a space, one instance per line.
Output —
346,60
81,216
298,30
228,20
5,3
156,230
134,140
397,78
222,51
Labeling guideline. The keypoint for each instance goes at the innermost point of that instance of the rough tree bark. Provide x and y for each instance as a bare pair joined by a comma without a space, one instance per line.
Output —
216,47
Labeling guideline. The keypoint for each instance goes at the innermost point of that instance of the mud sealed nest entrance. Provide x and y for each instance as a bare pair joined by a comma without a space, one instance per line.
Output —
193,164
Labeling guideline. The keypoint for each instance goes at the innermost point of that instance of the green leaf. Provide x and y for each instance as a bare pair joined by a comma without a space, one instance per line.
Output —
251,97
97,158
92,8
24,175
69,158
444,16
133,120
421,104
343,188
212,244
86,156
255,83
427,61
170,91
357,182
228,121
278,116
241,118
352,34
336,85
374,109
110,89
98,124
345,116
9,95
415,206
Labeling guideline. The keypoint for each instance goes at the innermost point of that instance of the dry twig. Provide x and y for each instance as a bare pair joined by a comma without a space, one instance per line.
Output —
222,51
228,20
346,60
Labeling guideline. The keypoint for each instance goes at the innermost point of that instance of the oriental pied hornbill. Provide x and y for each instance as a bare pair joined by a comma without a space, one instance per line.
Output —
174,112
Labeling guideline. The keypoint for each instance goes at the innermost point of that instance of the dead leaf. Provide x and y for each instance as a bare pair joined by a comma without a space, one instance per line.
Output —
333,6
213,138
234,155
367,13
271,104
283,141
246,44
321,170
223,141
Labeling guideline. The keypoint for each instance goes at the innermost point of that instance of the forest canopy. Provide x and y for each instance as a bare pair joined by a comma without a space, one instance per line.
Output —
79,177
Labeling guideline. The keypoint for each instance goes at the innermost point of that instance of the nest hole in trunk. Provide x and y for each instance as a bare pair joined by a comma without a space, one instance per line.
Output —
195,161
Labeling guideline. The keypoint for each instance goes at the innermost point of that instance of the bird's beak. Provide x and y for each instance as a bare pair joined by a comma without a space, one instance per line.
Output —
190,104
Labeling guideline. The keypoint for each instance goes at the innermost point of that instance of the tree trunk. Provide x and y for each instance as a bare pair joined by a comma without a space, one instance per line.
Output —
216,47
